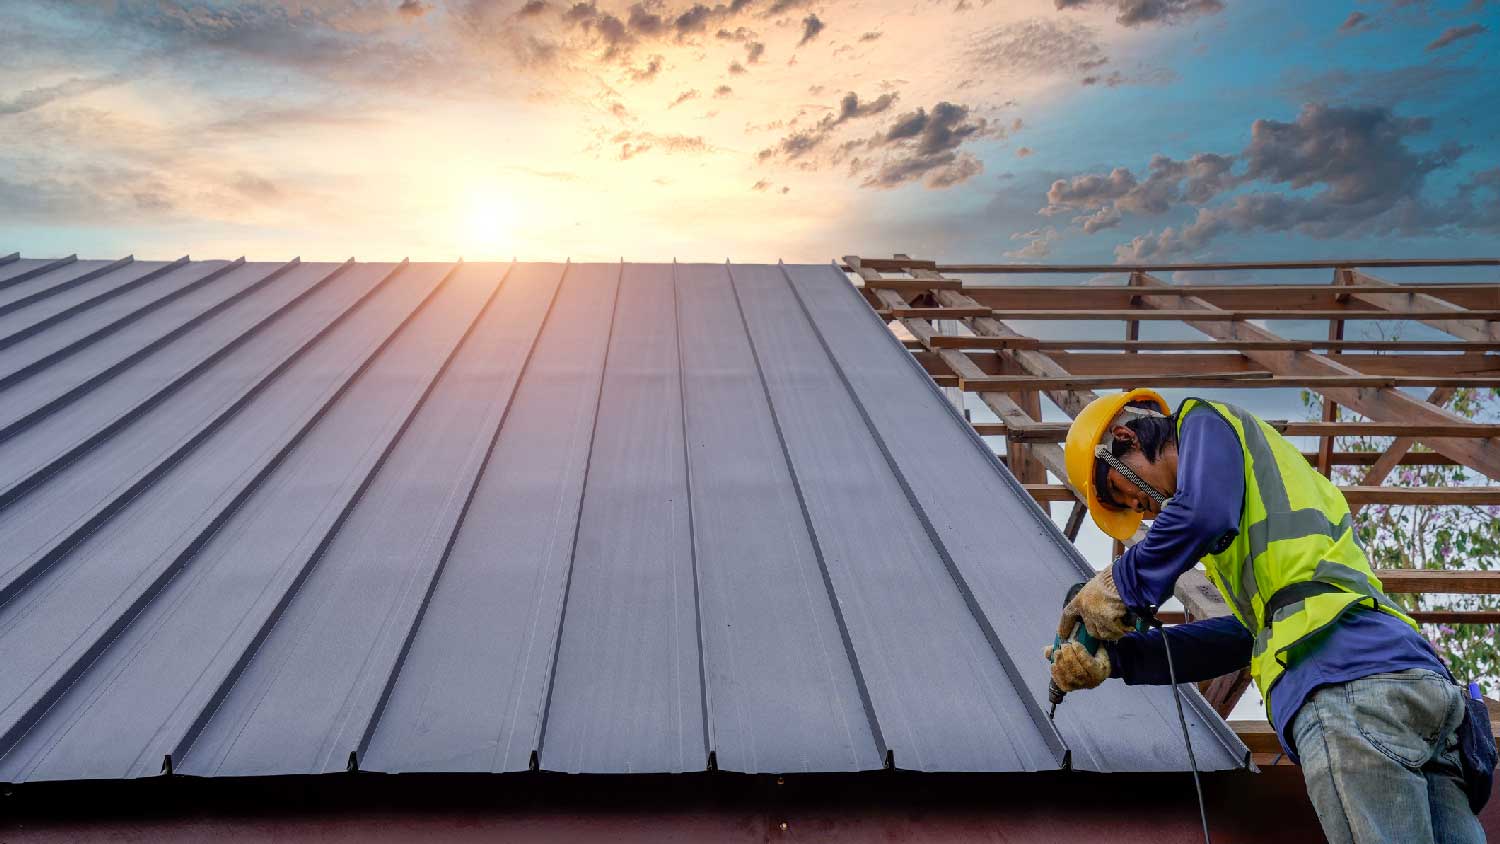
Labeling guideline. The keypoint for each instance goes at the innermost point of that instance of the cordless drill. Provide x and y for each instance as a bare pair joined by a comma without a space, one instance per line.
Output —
1080,634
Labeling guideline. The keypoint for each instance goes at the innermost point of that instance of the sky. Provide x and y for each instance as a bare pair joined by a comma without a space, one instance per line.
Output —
1032,130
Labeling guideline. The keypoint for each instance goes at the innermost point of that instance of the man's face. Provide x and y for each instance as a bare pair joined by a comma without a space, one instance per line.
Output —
1127,494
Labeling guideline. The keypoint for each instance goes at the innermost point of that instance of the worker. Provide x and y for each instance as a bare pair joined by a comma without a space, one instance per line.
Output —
1356,694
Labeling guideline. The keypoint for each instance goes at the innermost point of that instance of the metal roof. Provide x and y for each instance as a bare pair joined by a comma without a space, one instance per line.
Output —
262,518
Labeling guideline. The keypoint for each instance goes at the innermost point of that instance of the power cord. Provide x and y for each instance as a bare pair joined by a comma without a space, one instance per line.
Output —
1187,738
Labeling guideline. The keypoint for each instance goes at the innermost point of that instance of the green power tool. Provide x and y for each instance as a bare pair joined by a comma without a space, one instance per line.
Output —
1080,635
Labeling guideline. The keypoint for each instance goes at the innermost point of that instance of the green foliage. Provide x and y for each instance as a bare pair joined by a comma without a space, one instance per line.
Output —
1436,537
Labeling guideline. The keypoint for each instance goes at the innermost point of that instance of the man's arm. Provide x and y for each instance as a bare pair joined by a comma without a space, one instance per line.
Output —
1201,650
1205,507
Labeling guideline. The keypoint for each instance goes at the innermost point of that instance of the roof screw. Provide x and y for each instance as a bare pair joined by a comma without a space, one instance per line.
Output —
781,780
782,826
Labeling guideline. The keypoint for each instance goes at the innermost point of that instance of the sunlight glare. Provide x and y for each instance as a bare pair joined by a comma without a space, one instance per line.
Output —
488,225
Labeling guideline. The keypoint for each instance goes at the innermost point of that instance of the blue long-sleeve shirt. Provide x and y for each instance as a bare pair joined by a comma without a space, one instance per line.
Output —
1210,493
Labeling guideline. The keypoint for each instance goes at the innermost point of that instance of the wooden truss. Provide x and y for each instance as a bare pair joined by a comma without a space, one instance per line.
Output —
1010,372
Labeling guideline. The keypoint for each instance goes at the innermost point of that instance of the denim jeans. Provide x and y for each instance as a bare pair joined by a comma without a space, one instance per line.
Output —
1380,757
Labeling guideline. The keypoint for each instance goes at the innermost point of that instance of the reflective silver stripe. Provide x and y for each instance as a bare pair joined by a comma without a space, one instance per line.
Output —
1353,580
1267,472
1308,521
1272,488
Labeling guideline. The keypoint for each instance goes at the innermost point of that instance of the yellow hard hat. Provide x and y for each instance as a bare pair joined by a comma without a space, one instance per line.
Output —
1087,431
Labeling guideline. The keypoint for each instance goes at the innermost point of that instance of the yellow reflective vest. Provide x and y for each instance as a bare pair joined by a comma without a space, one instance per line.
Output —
1295,566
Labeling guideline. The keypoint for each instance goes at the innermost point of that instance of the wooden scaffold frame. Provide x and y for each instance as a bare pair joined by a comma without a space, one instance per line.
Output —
1010,372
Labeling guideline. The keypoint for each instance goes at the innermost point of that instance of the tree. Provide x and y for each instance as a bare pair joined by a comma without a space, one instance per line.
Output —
1437,537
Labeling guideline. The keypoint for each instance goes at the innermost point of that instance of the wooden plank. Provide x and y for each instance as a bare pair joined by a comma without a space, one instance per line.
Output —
912,285
1167,363
1057,431
1452,496
1452,582
931,313
1370,458
1050,456
1230,297
1253,265
1382,404
947,341
889,265
1242,380
1467,324
1239,314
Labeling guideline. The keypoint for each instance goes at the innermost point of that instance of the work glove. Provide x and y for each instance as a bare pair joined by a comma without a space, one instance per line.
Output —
1099,606
1073,668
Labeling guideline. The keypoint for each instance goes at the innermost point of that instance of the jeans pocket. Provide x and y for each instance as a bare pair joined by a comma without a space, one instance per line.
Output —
1403,714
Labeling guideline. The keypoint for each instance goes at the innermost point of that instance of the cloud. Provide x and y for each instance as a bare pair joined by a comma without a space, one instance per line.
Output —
412,8
811,27
649,72
783,6
871,36
75,87
256,187
723,91
1037,47
851,107
923,145
1133,13
633,144
1023,152
1415,83
735,68
1038,244
761,185
1350,170
1353,22
753,51
683,97
1455,33
532,8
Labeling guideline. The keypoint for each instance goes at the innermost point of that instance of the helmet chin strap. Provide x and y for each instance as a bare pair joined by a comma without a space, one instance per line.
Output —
1103,452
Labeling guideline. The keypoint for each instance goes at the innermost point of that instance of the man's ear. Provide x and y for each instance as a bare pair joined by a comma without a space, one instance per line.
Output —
1122,432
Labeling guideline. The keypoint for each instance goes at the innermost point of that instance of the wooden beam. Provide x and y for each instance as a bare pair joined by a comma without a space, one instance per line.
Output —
1192,315
1230,297
1057,431
1150,364
895,265
1439,581
912,285
1257,265
1449,496
948,341
903,312
1380,404
1466,324
1050,456
1241,380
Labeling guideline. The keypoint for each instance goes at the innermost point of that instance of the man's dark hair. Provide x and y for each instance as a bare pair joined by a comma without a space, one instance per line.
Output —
1152,433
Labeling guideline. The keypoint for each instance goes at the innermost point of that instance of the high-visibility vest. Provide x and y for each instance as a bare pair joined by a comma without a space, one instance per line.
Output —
1295,565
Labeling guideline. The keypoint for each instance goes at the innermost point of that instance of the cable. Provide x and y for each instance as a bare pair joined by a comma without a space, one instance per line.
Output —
1187,738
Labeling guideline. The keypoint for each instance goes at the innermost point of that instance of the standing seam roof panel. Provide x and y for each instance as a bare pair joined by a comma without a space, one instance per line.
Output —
781,688
275,519
941,699
978,512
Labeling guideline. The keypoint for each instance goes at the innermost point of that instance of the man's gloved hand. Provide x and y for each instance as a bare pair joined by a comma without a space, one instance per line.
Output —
1074,669
1099,606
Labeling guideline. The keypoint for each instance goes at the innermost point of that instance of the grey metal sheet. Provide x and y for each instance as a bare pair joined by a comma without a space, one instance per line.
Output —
17,271
71,371
601,518
627,687
69,598
41,348
939,691
21,319
56,276
781,689
473,689
1011,560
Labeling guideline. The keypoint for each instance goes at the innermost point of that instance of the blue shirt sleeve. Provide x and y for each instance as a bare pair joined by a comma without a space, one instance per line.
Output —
1201,650
1206,506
